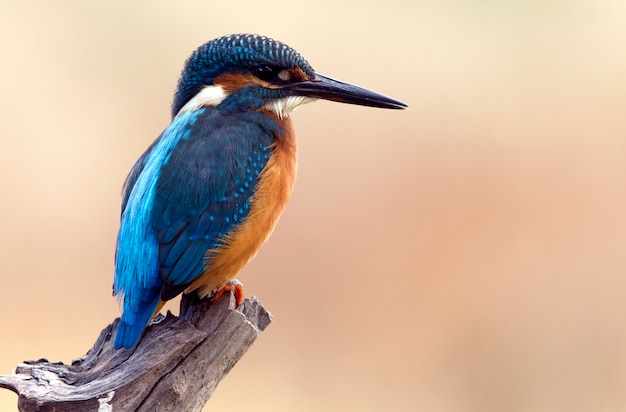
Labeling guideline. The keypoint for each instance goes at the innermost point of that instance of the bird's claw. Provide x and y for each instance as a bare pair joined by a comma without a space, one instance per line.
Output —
233,285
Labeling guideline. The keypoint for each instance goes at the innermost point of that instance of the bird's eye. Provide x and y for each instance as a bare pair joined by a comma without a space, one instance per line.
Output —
266,72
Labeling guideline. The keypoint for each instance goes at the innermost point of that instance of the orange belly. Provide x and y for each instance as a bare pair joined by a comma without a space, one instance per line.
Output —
269,201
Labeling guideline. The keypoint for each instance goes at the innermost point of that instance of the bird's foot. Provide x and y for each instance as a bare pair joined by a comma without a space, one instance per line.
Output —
233,285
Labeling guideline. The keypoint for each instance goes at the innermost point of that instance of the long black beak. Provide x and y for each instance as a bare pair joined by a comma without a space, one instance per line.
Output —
322,87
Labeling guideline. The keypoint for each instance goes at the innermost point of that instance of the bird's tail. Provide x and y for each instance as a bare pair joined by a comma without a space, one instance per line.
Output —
133,323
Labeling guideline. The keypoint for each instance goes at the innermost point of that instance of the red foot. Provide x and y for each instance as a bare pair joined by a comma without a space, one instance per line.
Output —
234,285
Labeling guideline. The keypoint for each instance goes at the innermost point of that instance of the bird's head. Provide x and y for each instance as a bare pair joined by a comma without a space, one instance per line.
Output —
243,72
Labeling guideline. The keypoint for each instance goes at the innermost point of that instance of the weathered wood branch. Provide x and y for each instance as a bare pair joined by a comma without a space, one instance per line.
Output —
175,367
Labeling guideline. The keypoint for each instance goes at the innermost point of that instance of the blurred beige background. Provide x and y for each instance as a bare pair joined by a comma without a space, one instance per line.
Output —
465,255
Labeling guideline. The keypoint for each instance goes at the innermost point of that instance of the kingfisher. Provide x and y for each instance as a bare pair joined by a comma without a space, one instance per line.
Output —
207,193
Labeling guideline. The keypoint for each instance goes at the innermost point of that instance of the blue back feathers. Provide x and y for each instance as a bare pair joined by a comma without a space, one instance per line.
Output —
190,188
237,52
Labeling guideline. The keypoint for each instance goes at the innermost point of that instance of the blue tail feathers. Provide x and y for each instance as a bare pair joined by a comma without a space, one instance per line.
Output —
132,325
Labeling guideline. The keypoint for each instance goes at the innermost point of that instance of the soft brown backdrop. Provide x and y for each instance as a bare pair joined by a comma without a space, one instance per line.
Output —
465,255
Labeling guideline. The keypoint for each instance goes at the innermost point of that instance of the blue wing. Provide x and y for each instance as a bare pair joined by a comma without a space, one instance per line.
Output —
205,189
191,187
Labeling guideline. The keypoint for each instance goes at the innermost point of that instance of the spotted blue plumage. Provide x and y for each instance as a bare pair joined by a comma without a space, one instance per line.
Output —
192,187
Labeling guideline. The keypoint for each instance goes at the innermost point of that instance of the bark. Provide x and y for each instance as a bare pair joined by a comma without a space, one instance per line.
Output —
176,366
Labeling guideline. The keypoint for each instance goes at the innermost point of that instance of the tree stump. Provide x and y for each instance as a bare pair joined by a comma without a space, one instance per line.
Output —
175,367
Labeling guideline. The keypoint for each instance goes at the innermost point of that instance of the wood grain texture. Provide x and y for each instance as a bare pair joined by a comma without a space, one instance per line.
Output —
176,366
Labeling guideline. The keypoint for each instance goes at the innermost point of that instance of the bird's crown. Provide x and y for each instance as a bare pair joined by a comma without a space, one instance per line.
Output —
258,55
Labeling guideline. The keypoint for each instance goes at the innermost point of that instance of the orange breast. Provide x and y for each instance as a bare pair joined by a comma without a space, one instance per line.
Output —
269,201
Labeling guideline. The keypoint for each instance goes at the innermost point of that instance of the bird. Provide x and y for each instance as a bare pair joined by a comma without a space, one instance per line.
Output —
207,193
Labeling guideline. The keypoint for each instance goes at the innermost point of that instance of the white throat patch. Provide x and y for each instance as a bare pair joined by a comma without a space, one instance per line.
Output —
282,107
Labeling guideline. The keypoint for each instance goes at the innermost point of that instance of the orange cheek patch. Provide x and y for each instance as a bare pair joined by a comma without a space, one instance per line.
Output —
299,74
296,74
233,82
